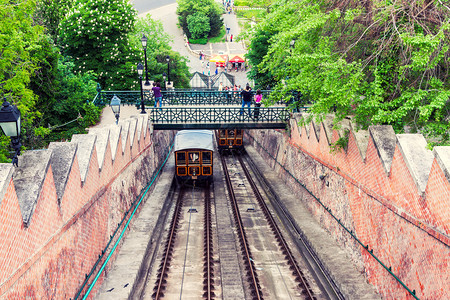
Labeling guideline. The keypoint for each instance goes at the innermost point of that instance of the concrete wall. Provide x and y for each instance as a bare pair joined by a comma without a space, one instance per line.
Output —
60,206
389,189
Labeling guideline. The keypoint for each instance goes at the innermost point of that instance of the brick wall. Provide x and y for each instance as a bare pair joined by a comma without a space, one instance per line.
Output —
389,189
51,238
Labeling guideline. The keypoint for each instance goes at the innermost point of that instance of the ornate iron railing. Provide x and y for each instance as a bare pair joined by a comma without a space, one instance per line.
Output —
217,117
176,97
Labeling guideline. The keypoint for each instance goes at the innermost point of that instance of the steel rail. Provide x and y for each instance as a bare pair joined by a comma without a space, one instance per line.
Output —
277,232
160,282
208,284
257,293
310,256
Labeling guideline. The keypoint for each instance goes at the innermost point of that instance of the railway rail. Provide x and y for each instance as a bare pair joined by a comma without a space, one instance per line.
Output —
273,271
303,284
249,265
321,276
252,276
208,271
160,284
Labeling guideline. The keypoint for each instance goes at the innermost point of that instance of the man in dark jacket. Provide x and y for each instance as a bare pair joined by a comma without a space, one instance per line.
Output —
246,99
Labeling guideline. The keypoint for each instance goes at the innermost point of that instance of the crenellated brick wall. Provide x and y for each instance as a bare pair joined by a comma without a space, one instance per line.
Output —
389,189
60,206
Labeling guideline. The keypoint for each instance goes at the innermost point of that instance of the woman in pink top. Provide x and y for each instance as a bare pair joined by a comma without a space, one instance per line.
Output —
258,98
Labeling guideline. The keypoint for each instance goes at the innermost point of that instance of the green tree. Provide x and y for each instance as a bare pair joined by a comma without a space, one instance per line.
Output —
375,60
198,25
257,50
49,14
158,49
209,8
19,39
95,34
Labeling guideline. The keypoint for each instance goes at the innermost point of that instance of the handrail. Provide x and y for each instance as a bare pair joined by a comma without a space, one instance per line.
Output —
178,97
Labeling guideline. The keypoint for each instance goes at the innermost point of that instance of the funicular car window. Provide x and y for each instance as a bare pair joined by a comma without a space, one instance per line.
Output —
239,132
222,133
231,133
194,157
181,158
182,171
206,171
206,157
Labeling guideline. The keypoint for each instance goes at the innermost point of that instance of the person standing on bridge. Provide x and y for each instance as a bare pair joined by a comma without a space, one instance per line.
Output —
258,98
246,99
157,91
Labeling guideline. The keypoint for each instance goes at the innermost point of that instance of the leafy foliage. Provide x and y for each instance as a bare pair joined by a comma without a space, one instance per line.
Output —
100,40
383,62
95,34
18,38
49,14
201,41
198,25
258,48
209,8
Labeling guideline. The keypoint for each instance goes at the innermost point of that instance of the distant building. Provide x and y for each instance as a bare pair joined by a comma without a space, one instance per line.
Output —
202,81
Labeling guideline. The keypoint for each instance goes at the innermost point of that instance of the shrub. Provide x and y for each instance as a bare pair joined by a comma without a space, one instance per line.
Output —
198,25
202,41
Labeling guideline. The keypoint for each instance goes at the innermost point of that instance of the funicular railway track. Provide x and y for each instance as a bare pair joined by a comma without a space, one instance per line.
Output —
161,284
189,263
303,284
249,265
250,269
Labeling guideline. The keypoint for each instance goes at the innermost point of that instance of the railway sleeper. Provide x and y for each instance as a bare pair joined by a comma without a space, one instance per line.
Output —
161,288
256,295
206,295
209,264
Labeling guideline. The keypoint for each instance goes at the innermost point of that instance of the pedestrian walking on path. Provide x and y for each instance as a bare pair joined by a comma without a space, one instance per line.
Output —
231,38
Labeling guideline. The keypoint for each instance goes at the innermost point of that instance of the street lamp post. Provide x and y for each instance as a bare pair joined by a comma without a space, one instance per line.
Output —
140,69
164,79
115,107
168,69
10,125
144,45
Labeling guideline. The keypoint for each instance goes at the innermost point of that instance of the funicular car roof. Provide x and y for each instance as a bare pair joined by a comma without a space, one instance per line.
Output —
194,139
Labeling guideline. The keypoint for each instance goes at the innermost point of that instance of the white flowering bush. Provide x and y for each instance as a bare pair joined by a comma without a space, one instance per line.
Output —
95,34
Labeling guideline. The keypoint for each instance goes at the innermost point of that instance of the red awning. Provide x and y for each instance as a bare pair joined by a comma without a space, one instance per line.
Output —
237,59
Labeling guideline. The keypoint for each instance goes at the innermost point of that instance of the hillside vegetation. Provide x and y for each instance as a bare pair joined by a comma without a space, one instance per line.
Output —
381,62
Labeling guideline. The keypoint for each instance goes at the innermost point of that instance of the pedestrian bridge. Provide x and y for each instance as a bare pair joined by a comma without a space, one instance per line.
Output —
205,109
